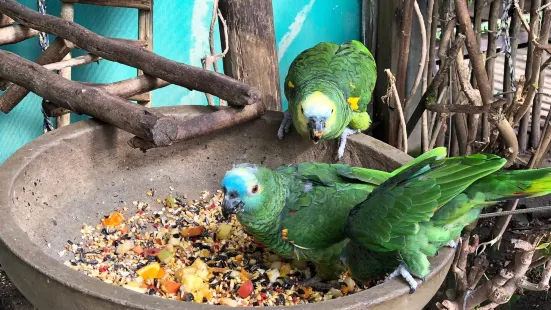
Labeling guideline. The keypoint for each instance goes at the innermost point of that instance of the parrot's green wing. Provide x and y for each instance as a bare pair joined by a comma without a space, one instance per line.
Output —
350,66
395,209
319,200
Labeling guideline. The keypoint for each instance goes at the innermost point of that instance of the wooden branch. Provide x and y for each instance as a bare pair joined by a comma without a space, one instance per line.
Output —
176,73
467,109
54,53
252,56
490,60
16,33
205,124
134,86
136,4
429,96
419,75
145,123
393,92
481,75
5,20
73,62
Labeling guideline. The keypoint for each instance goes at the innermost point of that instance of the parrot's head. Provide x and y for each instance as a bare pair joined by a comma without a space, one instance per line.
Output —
317,112
244,189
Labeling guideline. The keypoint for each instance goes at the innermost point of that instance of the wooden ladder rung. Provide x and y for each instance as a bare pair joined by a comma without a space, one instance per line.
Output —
136,4
141,98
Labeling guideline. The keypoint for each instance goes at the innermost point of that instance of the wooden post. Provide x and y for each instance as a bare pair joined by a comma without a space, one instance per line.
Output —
145,34
386,58
252,56
67,13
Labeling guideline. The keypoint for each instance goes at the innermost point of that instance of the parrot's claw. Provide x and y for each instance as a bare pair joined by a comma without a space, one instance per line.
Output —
342,140
317,284
402,271
285,126
452,244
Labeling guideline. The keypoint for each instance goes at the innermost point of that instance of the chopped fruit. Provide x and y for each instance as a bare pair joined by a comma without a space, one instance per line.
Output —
246,289
149,271
192,231
114,219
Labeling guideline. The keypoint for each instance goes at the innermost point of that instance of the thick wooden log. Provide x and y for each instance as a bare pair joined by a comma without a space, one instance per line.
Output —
83,99
174,72
5,20
152,128
54,53
16,33
136,4
252,56
208,123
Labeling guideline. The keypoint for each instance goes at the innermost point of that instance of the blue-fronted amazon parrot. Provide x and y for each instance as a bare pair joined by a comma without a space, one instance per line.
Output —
367,221
328,88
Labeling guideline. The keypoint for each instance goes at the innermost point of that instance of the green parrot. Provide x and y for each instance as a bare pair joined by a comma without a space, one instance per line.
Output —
371,222
328,88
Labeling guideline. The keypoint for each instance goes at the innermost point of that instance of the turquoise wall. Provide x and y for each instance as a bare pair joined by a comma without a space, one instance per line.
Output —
181,34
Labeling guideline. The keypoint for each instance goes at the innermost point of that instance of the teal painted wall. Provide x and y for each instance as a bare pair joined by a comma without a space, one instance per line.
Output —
181,34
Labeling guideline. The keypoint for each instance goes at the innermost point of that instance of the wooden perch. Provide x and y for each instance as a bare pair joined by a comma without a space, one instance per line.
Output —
252,55
483,83
88,100
429,97
16,33
153,128
174,72
208,123
54,53
467,109
5,20
134,86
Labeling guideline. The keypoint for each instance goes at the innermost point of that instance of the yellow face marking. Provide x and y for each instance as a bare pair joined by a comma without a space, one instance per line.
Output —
352,85
317,98
353,101
290,84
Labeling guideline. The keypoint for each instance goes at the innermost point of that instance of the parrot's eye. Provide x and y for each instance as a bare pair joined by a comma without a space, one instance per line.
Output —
254,190
302,110
332,111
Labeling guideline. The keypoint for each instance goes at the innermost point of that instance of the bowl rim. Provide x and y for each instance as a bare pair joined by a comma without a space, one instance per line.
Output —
20,245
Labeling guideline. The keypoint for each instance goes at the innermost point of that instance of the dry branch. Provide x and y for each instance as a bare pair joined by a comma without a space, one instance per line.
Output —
73,62
467,109
533,81
134,86
483,82
208,123
151,127
5,20
174,72
429,97
54,53
16,33
393,92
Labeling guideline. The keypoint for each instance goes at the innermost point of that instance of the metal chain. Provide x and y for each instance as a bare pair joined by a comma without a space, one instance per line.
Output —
44,43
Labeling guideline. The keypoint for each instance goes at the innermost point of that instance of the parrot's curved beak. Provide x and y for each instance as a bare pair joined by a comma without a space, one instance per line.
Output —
232,204
316,126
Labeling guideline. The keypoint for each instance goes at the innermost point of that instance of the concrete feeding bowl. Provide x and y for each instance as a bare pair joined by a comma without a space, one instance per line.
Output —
78,173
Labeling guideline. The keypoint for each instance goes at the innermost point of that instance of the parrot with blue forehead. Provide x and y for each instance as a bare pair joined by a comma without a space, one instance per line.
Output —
368,222
328,88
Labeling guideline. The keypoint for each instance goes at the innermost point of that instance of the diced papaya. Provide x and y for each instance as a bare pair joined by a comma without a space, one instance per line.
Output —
114,219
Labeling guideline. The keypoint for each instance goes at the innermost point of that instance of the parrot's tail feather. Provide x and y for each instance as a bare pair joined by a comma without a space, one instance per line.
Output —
515,184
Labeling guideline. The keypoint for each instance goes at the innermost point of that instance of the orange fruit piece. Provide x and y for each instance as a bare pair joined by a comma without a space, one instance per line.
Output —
192,231
170,287
114,219
150,271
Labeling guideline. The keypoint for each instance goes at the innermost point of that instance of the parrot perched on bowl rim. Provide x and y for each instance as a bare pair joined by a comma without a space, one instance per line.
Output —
406,215
328,88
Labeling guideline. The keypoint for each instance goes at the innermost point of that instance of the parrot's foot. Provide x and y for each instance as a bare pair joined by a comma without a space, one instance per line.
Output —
402,271
285,125
452,244
342,140
316,283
